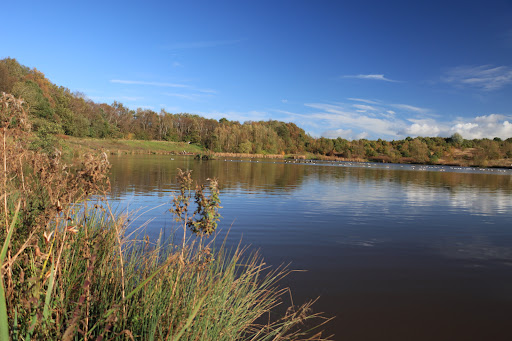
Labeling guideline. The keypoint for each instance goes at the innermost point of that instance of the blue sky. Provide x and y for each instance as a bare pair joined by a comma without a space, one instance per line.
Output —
372,69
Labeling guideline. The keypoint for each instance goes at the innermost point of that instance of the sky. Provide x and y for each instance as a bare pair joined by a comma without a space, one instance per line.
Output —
350,69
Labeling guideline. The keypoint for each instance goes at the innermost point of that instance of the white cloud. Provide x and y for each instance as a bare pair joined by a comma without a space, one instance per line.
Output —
419,129
462,127
371,77
364,108
362,135
284,101
485,77
344,134
488,126
426,127
335,133
237,115
490,119
177,64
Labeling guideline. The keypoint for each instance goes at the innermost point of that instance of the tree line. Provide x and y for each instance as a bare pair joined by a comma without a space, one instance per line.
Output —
57,110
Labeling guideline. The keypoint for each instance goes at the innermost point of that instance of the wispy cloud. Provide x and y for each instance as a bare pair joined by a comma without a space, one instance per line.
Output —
206,91
485,77
339,116
377,77
364,107
369,101
132,82
165,85
237,115
184,96
115,98
202,44
189,96
407,107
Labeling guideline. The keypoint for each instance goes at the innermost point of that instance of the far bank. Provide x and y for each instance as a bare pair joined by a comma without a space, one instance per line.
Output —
464,157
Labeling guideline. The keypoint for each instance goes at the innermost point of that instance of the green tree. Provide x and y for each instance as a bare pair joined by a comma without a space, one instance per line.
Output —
39,106
456,139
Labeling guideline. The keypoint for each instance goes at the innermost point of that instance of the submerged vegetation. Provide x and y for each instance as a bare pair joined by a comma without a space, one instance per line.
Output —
56,111
72,269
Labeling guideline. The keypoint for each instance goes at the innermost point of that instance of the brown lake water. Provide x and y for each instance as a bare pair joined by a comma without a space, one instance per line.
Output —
395,252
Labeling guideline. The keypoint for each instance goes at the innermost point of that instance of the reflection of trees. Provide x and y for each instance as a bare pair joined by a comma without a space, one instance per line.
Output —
447,180
157,173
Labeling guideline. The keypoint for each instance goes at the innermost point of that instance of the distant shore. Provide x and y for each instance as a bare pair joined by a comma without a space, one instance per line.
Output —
459,158
504,163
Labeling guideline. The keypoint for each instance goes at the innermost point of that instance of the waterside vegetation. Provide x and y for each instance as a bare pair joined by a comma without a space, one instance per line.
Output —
71,269
58,112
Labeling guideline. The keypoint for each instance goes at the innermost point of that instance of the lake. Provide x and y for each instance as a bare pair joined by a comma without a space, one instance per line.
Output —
395,252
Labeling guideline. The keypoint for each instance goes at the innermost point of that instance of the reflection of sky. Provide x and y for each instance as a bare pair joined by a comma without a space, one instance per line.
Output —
472,200
412,167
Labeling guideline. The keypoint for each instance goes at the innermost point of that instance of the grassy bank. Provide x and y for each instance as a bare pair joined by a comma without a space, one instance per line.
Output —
119,147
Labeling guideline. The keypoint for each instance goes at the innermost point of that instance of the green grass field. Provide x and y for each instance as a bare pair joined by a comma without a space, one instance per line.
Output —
130,146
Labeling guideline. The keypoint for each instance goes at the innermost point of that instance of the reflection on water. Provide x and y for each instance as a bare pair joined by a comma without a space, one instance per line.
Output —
137,173
396,252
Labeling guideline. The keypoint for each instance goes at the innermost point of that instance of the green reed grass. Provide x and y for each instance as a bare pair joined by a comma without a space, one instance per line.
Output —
157,292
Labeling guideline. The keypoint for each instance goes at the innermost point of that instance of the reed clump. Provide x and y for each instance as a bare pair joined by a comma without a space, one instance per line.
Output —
71,271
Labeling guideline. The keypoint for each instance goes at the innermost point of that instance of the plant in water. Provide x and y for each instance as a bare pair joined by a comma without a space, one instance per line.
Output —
207,208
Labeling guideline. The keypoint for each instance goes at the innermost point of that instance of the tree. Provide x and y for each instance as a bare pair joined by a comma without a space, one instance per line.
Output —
456,139
39,106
